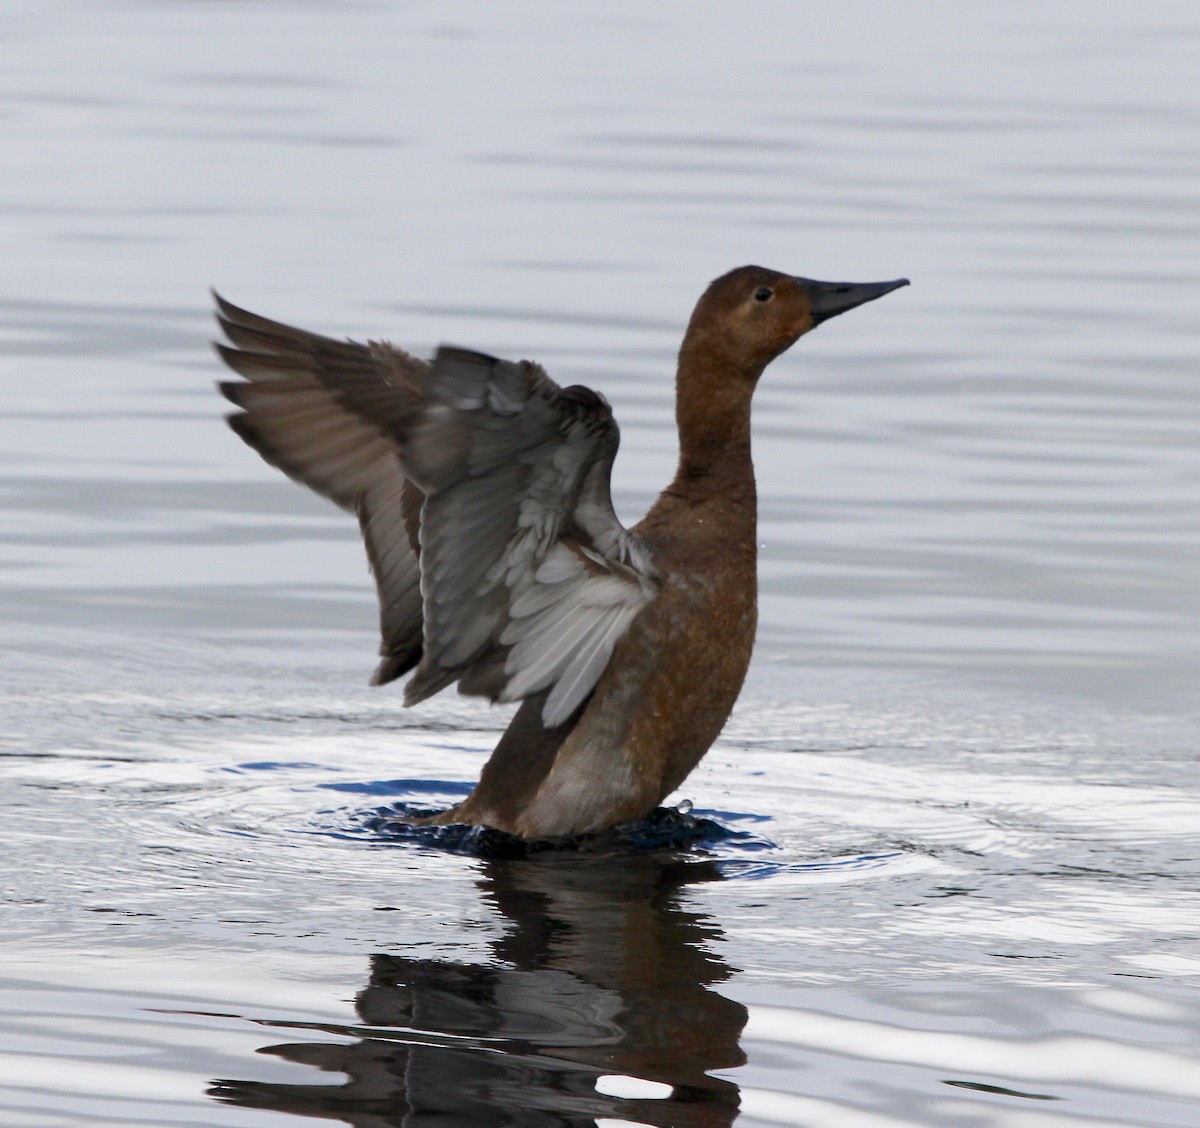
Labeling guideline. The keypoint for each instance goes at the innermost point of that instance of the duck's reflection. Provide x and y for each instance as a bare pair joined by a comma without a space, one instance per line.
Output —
602,975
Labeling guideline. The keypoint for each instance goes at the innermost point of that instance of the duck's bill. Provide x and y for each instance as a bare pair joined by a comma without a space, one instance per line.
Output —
831,298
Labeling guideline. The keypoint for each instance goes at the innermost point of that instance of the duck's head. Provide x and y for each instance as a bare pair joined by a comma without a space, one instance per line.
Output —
751,315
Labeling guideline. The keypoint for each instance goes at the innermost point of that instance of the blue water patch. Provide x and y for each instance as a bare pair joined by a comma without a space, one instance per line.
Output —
273,766
444,787
756,870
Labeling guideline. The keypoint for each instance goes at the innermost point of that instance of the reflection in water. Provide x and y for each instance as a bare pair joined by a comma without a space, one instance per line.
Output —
602,973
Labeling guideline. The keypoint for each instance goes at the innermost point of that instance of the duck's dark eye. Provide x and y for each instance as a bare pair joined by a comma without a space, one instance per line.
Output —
763,294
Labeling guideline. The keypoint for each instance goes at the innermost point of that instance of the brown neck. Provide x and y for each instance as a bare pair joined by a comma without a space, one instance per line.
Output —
712,409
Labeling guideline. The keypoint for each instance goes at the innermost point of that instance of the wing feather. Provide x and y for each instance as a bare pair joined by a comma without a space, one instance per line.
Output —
482,492
325,412
589,662
528,578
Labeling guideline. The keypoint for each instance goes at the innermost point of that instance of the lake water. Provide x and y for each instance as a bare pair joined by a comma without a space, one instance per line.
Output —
944,866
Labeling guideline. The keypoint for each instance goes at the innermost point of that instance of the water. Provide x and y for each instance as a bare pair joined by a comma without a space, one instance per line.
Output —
942,866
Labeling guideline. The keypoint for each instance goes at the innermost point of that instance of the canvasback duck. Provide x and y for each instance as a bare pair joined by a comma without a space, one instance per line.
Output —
482,492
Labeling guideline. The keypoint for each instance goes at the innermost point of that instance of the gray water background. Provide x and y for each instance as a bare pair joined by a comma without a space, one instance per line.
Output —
966,756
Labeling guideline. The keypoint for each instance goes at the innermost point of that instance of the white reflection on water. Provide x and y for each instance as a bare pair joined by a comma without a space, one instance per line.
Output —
965,764
1066,1061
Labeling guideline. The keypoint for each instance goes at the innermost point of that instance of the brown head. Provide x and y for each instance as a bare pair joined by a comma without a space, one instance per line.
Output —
743,321
747,317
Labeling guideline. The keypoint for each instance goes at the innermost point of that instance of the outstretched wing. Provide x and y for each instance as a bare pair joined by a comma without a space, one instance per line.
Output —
527,576
324,412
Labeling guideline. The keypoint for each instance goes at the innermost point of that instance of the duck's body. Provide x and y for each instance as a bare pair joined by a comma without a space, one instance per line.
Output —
482,491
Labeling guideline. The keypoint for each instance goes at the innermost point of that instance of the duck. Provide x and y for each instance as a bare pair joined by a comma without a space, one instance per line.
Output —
482,492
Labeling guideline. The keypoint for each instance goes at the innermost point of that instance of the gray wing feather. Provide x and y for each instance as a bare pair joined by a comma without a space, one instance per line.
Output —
564,626
528,577
326,413
386,514
520,579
